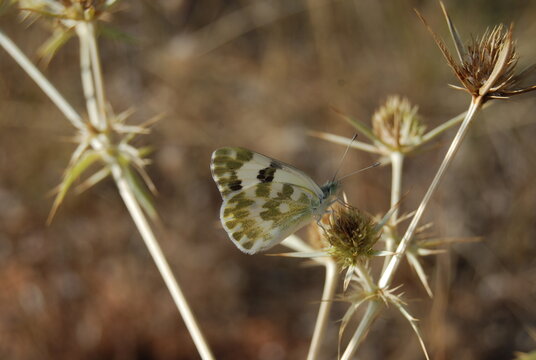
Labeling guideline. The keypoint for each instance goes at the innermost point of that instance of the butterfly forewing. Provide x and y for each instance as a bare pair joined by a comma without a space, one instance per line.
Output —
235,169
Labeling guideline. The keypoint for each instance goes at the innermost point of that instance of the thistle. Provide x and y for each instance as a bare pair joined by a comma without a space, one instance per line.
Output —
79,10
398,125
352,236
488,63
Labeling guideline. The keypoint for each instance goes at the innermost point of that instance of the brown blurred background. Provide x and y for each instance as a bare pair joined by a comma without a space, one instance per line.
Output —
260,74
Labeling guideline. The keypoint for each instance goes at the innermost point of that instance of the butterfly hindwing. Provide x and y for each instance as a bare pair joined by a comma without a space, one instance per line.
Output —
264,214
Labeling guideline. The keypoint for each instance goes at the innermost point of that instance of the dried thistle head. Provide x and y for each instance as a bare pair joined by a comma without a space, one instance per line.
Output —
397,124
488,63
79,10
352,236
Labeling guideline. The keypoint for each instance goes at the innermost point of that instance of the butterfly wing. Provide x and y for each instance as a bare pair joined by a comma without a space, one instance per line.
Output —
261,216
235,169
264,200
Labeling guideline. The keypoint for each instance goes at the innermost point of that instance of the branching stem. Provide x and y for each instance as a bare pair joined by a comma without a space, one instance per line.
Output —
330,284
374,308
94,95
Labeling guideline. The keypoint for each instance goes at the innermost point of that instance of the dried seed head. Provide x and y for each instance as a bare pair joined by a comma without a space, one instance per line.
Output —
488,64
352,236
85,10
482,57
397,124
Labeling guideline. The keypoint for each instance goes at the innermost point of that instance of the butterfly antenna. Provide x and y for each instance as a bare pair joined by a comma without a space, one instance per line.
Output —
343,157
358,171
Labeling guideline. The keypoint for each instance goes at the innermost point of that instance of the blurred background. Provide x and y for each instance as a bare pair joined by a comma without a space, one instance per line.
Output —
261,74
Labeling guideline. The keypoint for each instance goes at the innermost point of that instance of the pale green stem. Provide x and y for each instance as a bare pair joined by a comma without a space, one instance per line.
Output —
97,74
397,163
296,243
88,84
88,67
373,310
330,284
68,111
370,314
387,275
100,143
430,135
161,263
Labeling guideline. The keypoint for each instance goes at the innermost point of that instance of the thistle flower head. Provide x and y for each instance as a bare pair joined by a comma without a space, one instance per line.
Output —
487,66
85,10
397,124
352,236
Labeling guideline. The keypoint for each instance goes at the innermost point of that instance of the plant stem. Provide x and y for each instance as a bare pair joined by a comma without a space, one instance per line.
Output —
161,263
388,274
97,74
322,318
397,162
68,111
92,83
88,84
101,143
296,243
374,308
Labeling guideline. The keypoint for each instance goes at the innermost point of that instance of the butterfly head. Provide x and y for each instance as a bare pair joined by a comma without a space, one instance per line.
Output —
331,191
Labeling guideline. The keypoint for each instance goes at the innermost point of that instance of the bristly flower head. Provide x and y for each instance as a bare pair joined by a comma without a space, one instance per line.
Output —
81,10
398,125
352,236
488,63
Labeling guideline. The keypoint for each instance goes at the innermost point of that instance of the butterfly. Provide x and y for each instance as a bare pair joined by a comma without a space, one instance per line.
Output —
265,200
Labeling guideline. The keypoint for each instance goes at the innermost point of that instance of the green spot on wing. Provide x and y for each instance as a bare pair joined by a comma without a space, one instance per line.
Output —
263,190
247,244
286,192
237,235
223,151
244,155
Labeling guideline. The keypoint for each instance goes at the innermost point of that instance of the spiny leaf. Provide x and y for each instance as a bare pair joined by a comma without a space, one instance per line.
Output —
51,46
360,126
383,253
347,142
433,242
347,317
458,44
413,323
386,217
116,34
93,180
348,277
313,254
71,174
416,265
143,197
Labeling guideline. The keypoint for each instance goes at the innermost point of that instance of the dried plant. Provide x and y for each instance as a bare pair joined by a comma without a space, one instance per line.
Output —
347,240
103,137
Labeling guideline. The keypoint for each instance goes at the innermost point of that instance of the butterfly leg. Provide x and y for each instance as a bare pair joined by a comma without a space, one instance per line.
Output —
319,222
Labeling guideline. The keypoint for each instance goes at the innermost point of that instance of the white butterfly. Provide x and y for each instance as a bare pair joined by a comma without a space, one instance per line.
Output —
265,200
